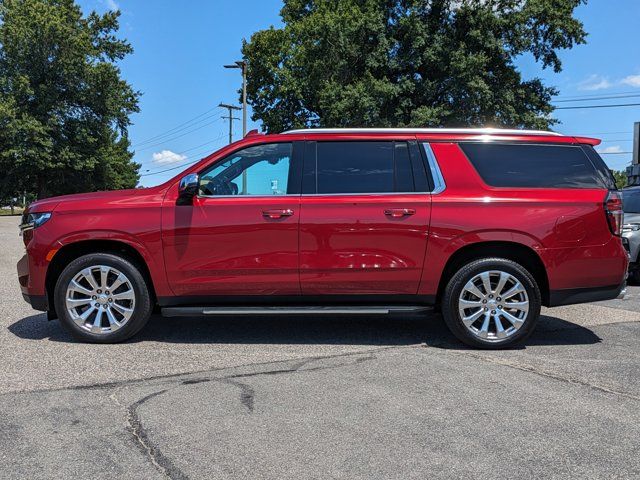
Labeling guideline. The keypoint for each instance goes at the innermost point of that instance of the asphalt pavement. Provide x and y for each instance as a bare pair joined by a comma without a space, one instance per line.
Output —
317,397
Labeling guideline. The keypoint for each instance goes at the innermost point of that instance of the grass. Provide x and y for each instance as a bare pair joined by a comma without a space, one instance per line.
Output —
7,211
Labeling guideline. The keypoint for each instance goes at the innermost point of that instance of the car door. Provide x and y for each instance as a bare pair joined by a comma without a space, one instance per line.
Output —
364,218
240,236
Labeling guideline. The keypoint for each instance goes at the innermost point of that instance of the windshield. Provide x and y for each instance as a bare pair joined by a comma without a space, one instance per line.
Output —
631,203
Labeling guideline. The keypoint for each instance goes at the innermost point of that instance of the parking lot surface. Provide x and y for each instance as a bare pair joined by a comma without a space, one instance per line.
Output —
317,397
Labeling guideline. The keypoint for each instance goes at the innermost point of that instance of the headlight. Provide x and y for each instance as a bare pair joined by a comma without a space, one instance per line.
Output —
33,220
631,227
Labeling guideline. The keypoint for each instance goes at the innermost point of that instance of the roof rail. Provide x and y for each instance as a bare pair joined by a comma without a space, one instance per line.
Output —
471,131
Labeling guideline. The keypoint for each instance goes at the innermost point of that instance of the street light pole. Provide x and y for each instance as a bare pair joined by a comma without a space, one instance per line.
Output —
242,65
244,99
633,172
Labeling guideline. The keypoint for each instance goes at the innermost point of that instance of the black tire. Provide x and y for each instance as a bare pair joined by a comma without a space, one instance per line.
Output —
635,275
454,288
142,307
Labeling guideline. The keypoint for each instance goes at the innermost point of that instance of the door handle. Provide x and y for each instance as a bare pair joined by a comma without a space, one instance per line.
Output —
399,212
277,213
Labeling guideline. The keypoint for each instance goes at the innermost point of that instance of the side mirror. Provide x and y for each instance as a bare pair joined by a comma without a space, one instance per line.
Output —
188,189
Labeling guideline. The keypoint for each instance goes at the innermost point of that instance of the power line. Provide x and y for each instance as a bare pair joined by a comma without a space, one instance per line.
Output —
150,171
585,99
591,95
177,127
599,106
615,153
172,168
605,133
163,141
196,147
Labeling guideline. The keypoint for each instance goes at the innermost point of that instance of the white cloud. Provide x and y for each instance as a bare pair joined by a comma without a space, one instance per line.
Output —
595,82
166,157
613,149
112,5
631,80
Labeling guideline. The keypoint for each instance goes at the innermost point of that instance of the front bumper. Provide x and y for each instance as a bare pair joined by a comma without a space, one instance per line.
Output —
37,302
31,276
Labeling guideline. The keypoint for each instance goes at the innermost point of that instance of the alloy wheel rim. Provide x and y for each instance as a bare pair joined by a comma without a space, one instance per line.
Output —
100,299
493,305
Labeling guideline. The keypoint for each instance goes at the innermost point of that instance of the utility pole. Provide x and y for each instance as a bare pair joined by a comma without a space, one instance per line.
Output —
633,172
231,118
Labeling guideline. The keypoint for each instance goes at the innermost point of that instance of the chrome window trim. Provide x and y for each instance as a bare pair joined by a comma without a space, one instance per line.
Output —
439,184
380,194
250,196
317,195
434,168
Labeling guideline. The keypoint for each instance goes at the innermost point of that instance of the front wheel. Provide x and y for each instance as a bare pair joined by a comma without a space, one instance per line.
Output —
491,303
102,298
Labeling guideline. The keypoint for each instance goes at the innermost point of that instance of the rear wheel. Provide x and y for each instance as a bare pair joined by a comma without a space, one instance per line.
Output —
491,303
102,298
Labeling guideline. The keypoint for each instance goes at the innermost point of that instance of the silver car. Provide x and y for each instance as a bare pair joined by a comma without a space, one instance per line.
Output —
631,229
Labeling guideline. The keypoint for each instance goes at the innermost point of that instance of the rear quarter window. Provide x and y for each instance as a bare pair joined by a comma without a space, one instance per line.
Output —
534,166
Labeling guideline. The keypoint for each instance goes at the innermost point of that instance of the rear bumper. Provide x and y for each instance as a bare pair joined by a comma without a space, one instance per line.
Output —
586,269
586,295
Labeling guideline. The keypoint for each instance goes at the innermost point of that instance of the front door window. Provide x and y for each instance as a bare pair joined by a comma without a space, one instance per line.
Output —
259,170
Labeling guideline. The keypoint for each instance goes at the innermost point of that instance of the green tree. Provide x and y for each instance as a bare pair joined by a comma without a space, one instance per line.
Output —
64,110
388,63
620,177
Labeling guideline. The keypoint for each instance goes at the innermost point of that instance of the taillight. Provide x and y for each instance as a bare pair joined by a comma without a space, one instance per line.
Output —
613,209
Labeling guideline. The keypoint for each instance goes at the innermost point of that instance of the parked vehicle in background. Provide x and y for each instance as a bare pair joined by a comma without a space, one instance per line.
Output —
487,225
631,229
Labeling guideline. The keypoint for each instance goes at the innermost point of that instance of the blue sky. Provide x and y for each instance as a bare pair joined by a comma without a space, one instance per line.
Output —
180,47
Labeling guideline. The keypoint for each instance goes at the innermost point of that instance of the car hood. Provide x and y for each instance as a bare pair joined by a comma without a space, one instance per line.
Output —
632,218
50,204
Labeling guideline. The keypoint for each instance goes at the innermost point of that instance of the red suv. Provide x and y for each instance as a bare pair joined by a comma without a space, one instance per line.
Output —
487,225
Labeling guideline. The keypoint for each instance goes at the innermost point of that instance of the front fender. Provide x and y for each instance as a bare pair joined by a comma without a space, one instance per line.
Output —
150,251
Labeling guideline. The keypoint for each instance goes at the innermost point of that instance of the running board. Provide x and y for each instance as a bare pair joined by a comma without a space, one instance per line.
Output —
363,310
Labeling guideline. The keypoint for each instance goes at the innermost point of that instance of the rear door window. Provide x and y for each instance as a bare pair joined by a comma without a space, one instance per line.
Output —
534,166
361,167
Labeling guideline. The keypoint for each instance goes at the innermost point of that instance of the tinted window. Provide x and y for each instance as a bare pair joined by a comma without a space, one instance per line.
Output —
545,166
363,167
258,170
404,175
631,201
601,167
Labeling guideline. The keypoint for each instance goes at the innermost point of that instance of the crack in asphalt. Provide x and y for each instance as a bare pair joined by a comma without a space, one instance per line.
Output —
152,452
247,393
141,438
168,377
546,374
